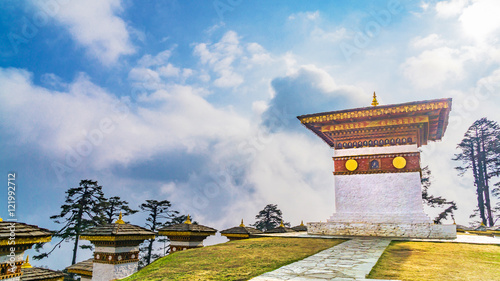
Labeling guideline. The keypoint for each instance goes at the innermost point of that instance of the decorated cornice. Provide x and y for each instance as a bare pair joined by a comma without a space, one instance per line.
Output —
416,122
116,258
80,272
26,240
373,156
375,111
184,233
235,235
117,238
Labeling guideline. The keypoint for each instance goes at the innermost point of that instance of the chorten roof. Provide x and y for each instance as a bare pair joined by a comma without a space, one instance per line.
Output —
421,120
25,233
241,229
117,231
187,228
38,273
82,268
280,229
300,227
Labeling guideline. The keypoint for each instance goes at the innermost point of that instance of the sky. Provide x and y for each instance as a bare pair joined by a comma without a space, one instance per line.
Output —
196,101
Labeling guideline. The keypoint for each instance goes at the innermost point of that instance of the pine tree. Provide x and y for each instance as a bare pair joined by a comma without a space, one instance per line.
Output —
113,206
481,155
269,218
157,211
81,211
433,201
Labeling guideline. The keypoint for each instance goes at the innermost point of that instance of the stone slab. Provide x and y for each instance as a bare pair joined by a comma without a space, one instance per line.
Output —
417,230
351,260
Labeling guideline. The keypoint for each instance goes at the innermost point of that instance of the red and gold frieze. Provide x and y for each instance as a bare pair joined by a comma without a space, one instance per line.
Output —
375,123
377,163
116,258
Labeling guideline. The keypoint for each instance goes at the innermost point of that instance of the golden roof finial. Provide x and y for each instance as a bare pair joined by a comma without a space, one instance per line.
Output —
301,223
27,264
281,224
119,220
374,101
188,220
1,219
242,225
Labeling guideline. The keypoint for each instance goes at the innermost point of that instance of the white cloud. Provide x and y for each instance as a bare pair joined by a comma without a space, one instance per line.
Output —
431,41
169,70
160,59
221,57
451,8
433,67
310,16
94,24
333,36
481,20
65,122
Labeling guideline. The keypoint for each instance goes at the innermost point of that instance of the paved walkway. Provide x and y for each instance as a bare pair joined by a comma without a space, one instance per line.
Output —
351,260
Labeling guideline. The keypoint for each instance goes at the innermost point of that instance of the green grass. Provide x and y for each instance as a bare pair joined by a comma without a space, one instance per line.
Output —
236,260
438,261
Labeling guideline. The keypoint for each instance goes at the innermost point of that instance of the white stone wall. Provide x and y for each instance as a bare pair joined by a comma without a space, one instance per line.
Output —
84,278
18,278
19,256
186,243
417,230
116,249
379,198
106,272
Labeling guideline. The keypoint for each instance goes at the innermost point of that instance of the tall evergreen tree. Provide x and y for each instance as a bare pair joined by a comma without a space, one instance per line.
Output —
82,210
433,201
157,212
480,154
269,218
113,206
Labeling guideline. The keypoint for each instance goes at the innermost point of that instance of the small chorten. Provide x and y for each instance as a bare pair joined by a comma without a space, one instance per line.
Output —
374,101
12,255
186,235
240,232
26,263
116,253
280,229
300,227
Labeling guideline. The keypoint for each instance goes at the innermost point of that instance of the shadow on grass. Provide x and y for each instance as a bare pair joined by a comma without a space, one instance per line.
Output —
391,261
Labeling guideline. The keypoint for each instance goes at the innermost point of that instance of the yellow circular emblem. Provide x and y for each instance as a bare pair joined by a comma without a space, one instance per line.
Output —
351,165
399,162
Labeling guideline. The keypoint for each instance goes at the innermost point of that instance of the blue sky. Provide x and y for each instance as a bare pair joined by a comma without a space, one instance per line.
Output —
195,101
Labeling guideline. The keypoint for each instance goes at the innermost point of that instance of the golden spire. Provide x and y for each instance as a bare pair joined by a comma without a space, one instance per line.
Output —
27,264
1,219
374,101
301,223
281,224
242,225
119,220
188,220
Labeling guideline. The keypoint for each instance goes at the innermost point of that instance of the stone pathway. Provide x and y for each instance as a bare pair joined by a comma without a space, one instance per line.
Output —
351,260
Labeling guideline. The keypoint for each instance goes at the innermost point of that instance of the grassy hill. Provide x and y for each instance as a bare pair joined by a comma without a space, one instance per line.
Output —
242,260
438,261
236,260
